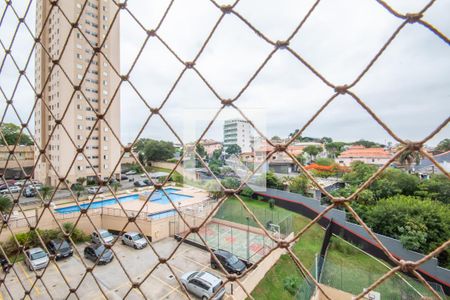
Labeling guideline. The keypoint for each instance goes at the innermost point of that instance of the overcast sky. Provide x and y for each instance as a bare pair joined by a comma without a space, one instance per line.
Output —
408,87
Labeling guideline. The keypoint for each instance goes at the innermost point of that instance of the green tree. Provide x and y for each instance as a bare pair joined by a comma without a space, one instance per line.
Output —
367,144
443,145
299,185
214,189
46,192
359,173
233,149
272,181
276,139
200,149
326,140
158,150
214,168
334,149
11,134
78,189
5,204
423,223
437,188
81,180
325,161
231,183
301,159
115,185
217,154
312,151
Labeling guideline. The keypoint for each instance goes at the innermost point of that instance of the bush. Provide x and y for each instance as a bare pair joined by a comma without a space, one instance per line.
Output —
271,203
247,192
78,236
172,160
291,284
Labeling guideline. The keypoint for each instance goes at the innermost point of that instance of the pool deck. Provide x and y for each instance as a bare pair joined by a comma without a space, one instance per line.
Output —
197,195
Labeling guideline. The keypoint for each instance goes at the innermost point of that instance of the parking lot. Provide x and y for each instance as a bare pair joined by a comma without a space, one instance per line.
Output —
161,284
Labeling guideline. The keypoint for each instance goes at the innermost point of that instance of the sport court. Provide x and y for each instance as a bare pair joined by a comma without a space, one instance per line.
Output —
247,243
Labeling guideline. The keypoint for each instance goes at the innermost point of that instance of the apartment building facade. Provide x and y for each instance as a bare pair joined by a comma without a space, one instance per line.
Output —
77,86
237,132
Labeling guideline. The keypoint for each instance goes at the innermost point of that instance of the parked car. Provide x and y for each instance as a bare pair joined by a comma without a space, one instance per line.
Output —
203,285
105,237
229,261
135,240
36,258
5,264
93,189
29,192
36,186
98,252
131,172
124,177
60,248
10,189
142,183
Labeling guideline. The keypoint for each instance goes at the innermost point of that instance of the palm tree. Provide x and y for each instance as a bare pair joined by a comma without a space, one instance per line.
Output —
409,157
115,185
46,192
5,204
78,189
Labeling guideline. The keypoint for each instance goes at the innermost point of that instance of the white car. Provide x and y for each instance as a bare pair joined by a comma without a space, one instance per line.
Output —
12,189
105,237
131,172
94,189
135,240
203,284
36,259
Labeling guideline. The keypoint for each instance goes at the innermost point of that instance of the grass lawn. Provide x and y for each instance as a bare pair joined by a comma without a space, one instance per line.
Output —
347,268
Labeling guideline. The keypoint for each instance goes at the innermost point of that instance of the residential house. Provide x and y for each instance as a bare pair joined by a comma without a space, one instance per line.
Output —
373,156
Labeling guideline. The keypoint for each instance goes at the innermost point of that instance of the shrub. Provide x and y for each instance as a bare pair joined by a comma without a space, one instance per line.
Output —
271,203
291,284
247,192
78,236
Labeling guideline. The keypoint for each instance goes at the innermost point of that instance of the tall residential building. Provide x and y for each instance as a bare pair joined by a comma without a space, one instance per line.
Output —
60,67
237,132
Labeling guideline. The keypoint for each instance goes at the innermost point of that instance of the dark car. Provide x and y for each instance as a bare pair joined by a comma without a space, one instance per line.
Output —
98,252
60,248
5,264
29,192
123,177
229,261
142,183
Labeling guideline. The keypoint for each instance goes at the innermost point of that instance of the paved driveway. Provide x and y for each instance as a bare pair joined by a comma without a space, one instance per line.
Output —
161,284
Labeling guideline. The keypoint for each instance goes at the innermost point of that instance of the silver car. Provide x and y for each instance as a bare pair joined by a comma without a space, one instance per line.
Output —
36,258
135,240
203,285
105,237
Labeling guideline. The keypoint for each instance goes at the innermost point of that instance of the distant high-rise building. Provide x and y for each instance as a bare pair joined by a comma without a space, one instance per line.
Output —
60,67
237,132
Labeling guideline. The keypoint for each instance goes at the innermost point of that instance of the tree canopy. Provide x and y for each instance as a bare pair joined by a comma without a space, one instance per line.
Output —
233,149
443,145
313,150
158,150
11,134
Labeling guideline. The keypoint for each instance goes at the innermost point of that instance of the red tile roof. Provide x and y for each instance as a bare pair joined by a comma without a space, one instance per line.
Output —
361,151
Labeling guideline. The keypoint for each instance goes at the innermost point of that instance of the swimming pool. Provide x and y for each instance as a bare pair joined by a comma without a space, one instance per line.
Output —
157,197
163,214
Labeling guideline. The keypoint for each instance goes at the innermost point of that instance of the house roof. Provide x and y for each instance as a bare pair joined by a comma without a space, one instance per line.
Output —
440,158
361,151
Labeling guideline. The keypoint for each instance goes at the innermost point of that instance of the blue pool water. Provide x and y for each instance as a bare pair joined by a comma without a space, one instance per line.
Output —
157,197
163,214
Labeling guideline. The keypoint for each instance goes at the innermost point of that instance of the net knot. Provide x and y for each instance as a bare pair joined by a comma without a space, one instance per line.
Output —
135,285
341,89
158,186
131,219
194,229
413,17
280,147
189,64
407,266
414,146
162,260
282,44
339,200
283,244
226,8
151,32
232,277
122,5
154,110
226,102
229,192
